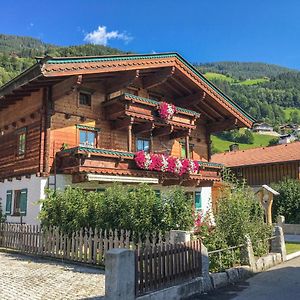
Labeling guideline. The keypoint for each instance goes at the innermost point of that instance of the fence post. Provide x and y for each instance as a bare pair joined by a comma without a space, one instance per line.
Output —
280,221
179,236
120,274
247,255
1,233
278,244
207,284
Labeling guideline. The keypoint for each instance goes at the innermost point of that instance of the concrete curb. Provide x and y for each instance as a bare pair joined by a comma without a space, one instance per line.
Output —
293,255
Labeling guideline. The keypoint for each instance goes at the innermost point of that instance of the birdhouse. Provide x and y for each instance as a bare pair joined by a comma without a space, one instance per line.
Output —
266,195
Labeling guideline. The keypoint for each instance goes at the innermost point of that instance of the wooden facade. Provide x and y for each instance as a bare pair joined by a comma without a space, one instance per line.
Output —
264,165
117,99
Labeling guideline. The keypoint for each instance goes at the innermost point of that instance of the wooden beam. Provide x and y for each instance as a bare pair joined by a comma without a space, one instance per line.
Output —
162,131
144,127
121,82
129,137
159,78
210,108
187,146
191,99
66,86
204,112
221,125
183,86
180,134
173,88
121,124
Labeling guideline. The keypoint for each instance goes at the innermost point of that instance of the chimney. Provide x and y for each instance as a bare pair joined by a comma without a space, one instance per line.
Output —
234,147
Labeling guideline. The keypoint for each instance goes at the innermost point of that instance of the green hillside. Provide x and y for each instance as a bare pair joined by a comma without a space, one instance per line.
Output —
220,145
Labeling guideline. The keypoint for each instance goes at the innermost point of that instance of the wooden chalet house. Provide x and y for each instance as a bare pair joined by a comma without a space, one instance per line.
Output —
81,121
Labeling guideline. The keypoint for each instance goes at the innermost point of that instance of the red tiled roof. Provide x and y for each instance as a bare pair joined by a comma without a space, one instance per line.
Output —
258,156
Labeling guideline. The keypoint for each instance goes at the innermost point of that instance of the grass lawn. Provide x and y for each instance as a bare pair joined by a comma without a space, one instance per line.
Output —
211,75
254,81
292,247
260,140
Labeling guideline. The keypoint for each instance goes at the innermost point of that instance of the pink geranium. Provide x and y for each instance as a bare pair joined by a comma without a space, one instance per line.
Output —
166,110
163,163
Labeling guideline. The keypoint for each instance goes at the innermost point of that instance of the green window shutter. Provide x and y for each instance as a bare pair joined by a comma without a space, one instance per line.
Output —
8,202
23,202
198,200
157,193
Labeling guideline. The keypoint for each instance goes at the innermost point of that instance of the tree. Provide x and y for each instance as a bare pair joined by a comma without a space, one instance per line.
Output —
288,202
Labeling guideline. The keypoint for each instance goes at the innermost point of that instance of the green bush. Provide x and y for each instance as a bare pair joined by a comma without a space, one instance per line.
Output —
288,202
2,216
120,207
239,213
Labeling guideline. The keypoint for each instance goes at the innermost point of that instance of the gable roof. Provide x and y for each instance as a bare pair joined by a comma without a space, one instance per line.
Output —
54,67
259,156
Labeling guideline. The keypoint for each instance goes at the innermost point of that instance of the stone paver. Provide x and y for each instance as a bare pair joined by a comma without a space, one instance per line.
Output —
23,277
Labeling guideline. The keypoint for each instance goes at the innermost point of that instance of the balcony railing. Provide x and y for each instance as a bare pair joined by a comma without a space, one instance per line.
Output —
145,109
83,160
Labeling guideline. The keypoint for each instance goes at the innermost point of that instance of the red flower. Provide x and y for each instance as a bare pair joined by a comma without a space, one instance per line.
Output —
166,110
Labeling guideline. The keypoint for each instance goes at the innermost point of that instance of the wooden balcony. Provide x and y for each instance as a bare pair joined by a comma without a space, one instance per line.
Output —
82,162
142,114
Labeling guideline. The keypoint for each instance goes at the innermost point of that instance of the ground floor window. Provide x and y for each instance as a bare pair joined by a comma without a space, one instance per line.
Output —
16,202
196,197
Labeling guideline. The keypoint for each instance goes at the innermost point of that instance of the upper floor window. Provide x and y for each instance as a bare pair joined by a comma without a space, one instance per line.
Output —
87,138
85,98
143,145
183,150
21,142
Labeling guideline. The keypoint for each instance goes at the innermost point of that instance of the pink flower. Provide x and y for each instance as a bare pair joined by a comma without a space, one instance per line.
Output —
166,110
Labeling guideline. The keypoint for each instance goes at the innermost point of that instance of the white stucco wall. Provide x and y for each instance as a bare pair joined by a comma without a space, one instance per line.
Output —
206,192
35,188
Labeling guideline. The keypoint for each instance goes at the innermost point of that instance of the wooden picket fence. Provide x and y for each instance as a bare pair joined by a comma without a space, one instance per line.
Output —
86,245
164,265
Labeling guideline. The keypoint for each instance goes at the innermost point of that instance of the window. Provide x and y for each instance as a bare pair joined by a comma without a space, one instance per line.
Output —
196,197
21,141
143,145
18,201
87,138
85,98
198,200
183,150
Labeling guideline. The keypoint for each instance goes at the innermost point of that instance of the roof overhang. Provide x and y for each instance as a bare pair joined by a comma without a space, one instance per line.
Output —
52,70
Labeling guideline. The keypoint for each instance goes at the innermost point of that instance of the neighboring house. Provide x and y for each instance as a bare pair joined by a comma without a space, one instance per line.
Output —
263,165
79,121
287,138
264,128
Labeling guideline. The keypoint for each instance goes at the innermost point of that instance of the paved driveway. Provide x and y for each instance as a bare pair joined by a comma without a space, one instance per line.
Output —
23,277
279,282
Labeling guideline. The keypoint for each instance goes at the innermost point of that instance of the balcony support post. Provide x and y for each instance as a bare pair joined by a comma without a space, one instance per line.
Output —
129,136
187,146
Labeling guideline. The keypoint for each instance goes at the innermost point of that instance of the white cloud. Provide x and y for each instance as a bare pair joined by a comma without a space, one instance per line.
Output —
101,36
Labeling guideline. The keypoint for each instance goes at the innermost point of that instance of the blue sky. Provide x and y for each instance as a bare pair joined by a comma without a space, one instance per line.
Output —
202,31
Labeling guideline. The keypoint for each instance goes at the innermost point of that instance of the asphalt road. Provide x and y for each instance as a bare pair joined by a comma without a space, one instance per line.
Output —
279,282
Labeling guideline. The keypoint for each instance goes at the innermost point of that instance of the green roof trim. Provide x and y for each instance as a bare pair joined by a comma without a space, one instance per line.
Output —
209,164
158,102
147,56
87,127
100,151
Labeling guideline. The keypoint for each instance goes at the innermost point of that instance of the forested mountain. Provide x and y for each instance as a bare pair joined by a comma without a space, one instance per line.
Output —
243,70
18,53
263,90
